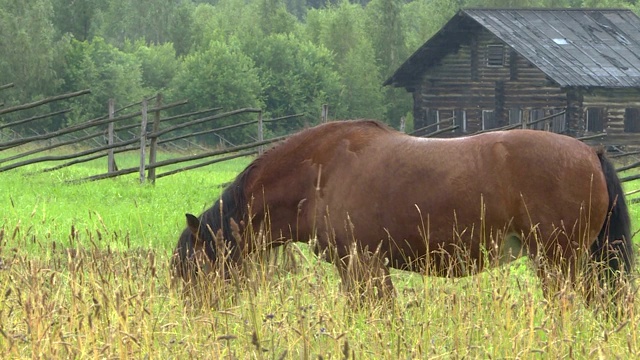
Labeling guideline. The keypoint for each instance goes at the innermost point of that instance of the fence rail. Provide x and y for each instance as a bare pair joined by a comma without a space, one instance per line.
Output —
43,101
149,137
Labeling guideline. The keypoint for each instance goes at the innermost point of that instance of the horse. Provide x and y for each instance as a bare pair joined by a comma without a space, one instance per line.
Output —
445,207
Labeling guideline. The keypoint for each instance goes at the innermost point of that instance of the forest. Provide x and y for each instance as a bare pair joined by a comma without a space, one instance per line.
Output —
283,56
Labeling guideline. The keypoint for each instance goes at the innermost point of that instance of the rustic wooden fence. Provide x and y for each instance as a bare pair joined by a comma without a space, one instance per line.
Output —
147,135
147,140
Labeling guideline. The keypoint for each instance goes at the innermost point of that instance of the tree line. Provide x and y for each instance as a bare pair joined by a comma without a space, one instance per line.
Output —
283,56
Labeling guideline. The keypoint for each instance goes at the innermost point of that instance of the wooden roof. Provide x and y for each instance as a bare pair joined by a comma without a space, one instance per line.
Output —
573,47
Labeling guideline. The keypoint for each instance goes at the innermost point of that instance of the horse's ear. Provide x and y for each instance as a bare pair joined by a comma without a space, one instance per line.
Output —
193,223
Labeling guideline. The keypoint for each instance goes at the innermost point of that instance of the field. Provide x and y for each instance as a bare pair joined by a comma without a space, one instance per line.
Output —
84,274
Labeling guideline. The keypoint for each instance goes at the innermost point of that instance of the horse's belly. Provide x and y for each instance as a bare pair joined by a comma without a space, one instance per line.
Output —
455,259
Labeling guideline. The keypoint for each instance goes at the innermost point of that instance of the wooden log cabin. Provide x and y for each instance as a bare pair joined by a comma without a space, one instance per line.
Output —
489,68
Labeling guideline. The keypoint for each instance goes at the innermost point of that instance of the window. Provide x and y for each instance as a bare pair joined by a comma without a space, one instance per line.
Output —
495,55
460,119
632,120
536,114
445,118
595,119
559,122
488,120
432,118
515,116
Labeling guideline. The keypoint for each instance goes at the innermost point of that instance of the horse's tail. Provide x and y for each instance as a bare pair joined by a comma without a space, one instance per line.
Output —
613,247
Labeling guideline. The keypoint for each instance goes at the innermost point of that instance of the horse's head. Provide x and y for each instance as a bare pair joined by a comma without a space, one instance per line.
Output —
203,238
189,256
204,246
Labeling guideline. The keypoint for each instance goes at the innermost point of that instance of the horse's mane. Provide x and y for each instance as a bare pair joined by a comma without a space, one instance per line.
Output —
233,207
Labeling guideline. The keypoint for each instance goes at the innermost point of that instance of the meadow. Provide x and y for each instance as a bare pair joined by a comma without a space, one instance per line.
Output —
84,274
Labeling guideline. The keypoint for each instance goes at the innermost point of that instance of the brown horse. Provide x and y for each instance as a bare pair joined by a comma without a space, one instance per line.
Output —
448,207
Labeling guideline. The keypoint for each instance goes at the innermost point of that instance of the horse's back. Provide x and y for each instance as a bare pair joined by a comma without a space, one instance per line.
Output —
548,180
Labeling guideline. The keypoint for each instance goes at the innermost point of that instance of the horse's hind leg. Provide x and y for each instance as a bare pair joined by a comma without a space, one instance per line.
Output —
555,275
556,263
365,276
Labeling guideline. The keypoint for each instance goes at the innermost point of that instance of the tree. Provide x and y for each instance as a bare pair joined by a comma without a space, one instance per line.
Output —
297,75
608,3
421,19
159,64
180,30
123,20
298,8
339,28
504,3
28,49
106,70
342,30
362,95
220,75
228,19
274,18
77,17
387,37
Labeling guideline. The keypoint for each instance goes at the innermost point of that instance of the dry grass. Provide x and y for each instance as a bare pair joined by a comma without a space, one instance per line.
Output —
98,303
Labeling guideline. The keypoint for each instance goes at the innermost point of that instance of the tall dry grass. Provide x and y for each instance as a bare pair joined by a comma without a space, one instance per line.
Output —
91,302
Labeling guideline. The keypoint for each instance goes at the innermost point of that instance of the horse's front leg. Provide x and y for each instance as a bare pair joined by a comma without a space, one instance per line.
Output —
365,275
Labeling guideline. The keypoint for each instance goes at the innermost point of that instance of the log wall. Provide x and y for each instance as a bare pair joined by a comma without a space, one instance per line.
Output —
463,82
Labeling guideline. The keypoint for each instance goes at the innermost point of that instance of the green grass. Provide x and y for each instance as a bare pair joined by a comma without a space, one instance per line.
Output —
122,209
102,290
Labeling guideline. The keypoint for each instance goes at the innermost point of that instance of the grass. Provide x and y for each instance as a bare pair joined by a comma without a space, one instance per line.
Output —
83,274
120,208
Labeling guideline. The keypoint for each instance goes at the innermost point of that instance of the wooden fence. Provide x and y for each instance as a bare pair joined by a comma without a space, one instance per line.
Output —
151,134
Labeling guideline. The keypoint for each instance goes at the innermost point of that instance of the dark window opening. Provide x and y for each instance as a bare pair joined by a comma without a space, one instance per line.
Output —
488,120
632,120
535,115
595,119
445,118
559,122
515,116
495,55
460,119
432,118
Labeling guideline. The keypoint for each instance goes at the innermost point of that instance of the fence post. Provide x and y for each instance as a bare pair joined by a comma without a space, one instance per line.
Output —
260,133
402,123
153,147
111,161
143,139
325,113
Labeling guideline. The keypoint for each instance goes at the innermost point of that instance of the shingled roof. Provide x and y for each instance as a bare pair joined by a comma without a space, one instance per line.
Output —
573,47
